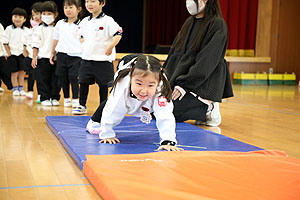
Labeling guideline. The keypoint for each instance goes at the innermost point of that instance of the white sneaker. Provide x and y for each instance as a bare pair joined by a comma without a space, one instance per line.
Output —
38,99
79,110
16,93
1,89
67,102
46,103
55,102
29,95
93,127
75,103
213,117
22,93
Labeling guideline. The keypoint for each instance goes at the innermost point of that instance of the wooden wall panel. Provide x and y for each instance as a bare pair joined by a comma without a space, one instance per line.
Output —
288,51
263,31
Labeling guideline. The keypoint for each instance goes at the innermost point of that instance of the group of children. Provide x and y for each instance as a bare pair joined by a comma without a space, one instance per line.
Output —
80,52
57,54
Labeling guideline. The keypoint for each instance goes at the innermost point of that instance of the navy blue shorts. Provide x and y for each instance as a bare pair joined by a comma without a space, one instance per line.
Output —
16,63
100,72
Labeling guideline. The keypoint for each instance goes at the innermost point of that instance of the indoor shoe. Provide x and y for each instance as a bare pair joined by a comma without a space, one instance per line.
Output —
75,103
55,102
46,103
16,93
80,110
29,95
93,127
213,117
67,102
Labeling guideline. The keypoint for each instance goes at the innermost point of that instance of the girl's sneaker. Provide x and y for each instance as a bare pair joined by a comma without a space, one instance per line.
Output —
67,102
16,93
22,93
29,95
80,110
1,89
55,102
38,100
46,103
93,127
75,103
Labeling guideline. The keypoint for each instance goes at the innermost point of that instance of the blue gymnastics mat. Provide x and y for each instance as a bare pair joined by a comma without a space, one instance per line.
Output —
136,137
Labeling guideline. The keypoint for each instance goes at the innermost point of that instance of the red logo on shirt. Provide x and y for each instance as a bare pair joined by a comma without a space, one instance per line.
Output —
101,28
162,101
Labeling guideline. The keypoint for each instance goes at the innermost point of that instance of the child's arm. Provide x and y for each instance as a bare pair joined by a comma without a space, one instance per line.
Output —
7,49
25,52
116,40
53,51
114,111
165,123
34,58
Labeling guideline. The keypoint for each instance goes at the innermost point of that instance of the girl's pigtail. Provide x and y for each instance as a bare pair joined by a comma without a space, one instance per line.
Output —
166,89
121,75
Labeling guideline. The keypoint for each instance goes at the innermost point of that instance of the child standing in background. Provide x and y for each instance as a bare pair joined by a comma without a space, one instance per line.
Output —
100,34
14,43
140,88
4,69
36,19
68,47
42,42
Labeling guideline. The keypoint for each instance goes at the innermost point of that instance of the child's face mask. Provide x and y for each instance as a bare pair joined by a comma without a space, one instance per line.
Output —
33,23
192,7
48,19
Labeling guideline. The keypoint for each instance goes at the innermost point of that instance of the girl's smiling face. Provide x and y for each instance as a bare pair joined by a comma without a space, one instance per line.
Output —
143,84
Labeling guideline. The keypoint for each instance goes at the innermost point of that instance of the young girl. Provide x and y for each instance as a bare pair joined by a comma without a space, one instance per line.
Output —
35,20
42,42
139,89
14,41
68,47
196,67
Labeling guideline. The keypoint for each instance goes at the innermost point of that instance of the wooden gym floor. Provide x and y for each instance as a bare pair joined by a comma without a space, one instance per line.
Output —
34,165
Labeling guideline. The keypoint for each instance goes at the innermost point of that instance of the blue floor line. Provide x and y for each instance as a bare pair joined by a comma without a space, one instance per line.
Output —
44,186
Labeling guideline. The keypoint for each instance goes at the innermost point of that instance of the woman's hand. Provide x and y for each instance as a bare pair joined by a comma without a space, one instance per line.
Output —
176,94
110,141
169,148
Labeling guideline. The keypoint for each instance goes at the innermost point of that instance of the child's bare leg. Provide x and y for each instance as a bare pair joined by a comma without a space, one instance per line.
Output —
21,77
14,79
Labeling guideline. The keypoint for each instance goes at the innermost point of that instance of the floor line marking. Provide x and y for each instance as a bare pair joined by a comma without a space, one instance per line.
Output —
44,186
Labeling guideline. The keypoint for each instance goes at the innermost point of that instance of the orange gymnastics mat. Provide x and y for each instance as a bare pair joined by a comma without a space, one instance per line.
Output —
195,175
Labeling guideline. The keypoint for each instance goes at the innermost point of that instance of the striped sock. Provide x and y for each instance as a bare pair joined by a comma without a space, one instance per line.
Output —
20,87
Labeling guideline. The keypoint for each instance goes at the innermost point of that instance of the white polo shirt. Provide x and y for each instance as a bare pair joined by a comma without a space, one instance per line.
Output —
28,41
97,34
68,38
2,50
42,39
122,102
15,38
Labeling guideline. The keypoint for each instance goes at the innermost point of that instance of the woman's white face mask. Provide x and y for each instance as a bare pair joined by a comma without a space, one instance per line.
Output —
192,8
47,19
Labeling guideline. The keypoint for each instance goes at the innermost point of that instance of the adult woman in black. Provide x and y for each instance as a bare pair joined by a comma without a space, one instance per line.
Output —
196,68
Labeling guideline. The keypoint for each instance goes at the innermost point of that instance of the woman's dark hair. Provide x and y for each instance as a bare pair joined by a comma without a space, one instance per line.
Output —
78,5
37,7
146,64
20,12
211,12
